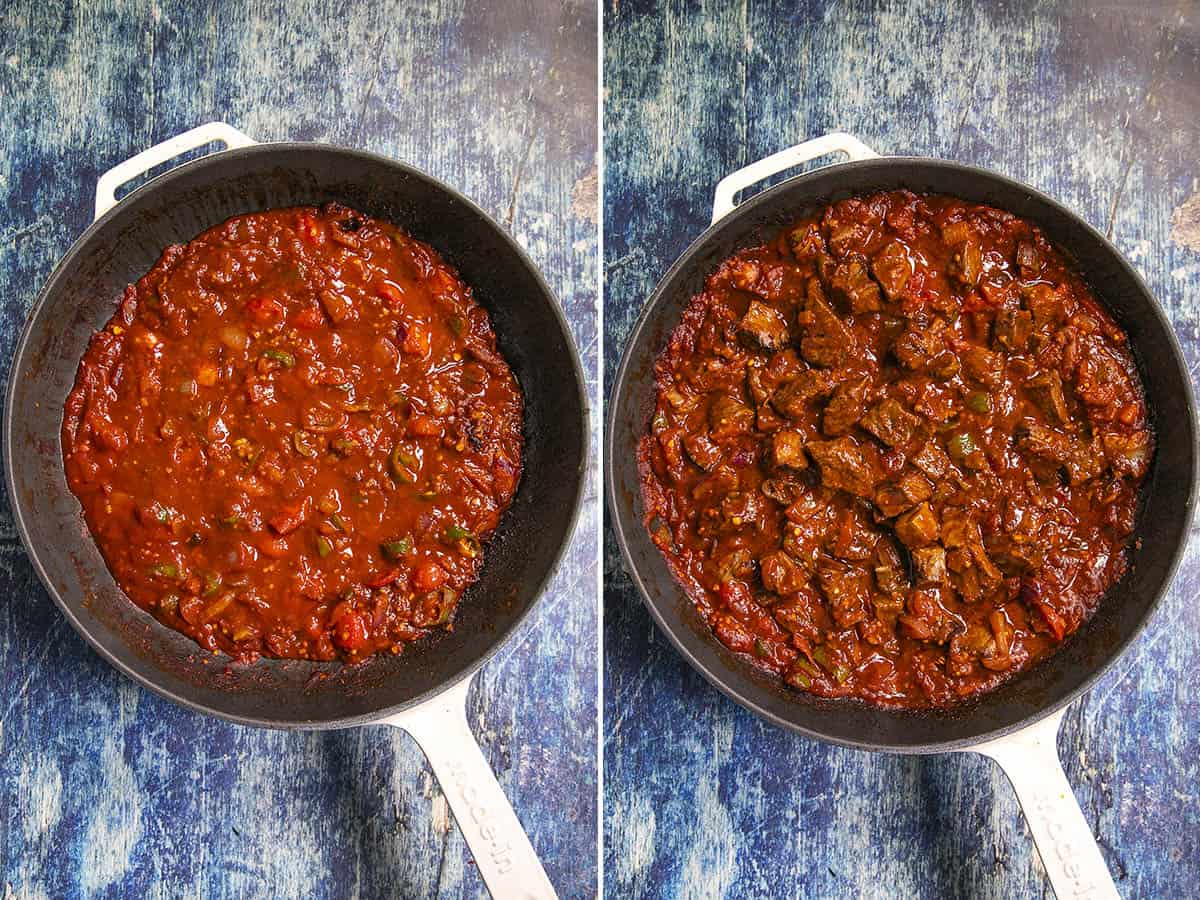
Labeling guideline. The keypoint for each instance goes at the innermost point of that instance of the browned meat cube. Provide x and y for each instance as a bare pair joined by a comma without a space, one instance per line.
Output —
918,526
848,238
848,590
781,574
1047,392
825,341
968,263
806,241
891,423
728,416
1128,454
1012,329
932,460
1028,258
1047,443
844,467
765,324
740,509
799,613
983,365
1045,304
929,563
702,451
891,579
917,348
845,407
787,450
892,269
793,397
851,282
911,489
1086,463
744,273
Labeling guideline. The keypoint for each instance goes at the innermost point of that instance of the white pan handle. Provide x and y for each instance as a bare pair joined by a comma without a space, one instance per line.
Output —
731,185
213,132
1064,839
506,860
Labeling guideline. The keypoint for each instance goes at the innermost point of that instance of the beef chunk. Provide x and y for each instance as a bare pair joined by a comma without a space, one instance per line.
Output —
781,574
1012,329
1047,392
892,268
918,526
852,283
917,348
932,460
891,423
911,489
787,450
765,325
848,590
930,565
728,416
968,263
793,397
1045,303
740,509
983,365
1029,259
845,407
844,467
1128,454
799,613
1083,462
826,340
702,451
806,241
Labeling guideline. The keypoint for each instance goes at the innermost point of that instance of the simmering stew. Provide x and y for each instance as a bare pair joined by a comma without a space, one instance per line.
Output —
294,436
896,451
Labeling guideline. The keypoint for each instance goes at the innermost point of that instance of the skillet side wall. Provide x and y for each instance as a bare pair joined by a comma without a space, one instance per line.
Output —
1168,496
80,296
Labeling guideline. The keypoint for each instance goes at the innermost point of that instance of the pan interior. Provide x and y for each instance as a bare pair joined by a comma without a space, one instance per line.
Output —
1167,501
81,295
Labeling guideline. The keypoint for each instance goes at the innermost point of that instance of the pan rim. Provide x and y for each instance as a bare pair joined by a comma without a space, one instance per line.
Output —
500,640
716,678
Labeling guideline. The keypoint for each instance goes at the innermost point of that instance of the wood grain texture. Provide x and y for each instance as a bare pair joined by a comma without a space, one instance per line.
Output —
1095,103
109,791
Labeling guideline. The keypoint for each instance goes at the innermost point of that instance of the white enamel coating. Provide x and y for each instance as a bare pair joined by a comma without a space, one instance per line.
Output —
1029,757
506,860
210,133
731,185
1069,852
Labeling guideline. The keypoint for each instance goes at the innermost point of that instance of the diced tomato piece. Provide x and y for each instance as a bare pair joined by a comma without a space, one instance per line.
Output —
424,426
390,292
265,310
416,340
429,576
349,629
276,548
309,317
290,518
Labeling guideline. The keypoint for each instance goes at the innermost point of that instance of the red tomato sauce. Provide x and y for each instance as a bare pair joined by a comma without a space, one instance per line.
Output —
896,451
294,436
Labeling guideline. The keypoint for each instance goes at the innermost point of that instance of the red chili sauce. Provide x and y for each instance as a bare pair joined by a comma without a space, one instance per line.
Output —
896,451
293,436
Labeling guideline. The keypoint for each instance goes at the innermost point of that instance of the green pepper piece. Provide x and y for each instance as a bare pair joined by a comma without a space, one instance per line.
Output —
166,570
980,402
395,550
283,357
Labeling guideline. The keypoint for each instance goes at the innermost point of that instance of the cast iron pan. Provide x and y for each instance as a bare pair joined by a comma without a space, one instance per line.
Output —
421,687
1000,721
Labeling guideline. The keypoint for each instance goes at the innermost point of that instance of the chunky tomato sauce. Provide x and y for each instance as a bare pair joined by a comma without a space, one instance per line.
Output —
294,436
896,451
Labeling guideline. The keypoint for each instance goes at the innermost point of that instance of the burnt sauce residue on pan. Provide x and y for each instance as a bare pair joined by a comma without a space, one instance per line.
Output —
896,451
294,437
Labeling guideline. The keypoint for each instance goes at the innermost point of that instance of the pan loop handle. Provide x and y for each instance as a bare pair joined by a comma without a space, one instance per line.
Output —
731,185
210,133
1064,839
506,859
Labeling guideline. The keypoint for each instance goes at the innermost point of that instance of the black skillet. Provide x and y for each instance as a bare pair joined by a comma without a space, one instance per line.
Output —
422,690
1017,724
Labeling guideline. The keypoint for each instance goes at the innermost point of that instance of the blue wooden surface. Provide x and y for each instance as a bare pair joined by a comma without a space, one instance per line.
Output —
107,790
1098,104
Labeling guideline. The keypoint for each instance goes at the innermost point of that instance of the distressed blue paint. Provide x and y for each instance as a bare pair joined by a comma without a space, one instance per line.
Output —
1098,105
106,790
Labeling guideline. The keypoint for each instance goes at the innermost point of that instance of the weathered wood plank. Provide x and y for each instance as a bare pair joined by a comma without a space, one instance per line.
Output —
1096,103
106,790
